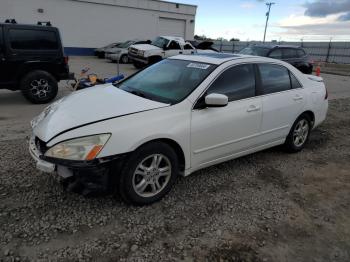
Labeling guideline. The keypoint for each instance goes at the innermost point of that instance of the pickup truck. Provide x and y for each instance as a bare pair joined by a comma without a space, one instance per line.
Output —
162,47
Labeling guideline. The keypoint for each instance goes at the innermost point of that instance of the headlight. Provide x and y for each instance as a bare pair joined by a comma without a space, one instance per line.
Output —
141,53
84,148
118,52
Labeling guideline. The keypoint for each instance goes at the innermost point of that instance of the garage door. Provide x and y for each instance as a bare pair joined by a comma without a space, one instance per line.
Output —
172,27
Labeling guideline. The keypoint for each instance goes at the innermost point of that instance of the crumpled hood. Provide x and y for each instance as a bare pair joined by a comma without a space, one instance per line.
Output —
146,47
87,106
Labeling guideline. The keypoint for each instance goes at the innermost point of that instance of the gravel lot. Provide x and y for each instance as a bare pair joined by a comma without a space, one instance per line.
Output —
269,206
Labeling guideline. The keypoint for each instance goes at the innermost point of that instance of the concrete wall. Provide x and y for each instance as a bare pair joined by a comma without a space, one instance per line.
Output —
94,23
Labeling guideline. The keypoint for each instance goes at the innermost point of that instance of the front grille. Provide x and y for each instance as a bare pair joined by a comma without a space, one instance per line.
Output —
133,51
40,145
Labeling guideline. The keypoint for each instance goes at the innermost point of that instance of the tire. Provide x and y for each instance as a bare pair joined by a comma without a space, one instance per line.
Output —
39,87
124,59
132,174
299,134
138,65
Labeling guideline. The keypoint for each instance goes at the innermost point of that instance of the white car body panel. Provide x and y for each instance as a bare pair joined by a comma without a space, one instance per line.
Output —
90,105
151,50
206,137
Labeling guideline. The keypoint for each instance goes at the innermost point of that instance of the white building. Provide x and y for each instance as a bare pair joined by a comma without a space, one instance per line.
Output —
87,24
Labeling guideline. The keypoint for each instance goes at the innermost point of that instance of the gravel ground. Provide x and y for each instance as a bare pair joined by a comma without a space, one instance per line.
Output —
269,206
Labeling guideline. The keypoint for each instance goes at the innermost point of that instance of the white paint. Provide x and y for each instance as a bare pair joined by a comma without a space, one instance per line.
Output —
206,137
96,23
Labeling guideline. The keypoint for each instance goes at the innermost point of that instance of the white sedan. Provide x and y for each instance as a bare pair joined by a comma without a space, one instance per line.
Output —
173,118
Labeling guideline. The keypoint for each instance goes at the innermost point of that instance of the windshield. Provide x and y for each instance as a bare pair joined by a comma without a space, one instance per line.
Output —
169,81
125,44
160,42
254,50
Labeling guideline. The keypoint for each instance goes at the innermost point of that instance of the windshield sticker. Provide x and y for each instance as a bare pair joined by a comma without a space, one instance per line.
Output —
199,66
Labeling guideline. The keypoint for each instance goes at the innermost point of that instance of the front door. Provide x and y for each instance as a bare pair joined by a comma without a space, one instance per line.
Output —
173,49
219,133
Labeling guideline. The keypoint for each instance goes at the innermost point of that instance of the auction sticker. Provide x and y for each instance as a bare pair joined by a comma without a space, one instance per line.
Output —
197,65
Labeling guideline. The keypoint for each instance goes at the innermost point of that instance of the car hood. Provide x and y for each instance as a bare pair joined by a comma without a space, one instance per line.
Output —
146,47
87,106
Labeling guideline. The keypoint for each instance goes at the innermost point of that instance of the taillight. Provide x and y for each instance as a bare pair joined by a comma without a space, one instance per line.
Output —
326,95
66,59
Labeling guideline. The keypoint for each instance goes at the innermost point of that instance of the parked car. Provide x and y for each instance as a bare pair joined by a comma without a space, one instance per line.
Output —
32,60
204,46
120,53
160,48
177,116
293,55
100,52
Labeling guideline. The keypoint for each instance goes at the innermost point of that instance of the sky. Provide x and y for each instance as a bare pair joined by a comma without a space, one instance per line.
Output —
290,20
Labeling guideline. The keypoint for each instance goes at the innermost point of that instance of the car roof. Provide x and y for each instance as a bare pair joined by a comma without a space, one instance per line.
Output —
177,38
29,26
271,46
215,58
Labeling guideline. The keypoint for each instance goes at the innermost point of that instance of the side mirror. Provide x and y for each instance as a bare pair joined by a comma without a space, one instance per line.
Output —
216,100
165,47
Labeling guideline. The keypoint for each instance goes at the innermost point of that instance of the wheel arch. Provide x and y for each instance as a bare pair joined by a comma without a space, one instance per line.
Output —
174,145
310,114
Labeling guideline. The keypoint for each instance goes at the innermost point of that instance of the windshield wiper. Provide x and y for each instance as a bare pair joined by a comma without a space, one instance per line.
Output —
137,93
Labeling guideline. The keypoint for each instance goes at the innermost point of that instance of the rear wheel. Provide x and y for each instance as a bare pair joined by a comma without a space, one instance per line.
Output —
299,134
39,87
148,174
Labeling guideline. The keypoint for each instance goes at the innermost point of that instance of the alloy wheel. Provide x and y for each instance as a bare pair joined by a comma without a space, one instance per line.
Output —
40,88
301,132
152,175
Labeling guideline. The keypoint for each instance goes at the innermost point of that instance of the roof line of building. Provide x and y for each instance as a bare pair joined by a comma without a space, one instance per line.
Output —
142,8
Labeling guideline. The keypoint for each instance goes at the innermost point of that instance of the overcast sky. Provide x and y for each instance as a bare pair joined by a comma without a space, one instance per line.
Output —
289,19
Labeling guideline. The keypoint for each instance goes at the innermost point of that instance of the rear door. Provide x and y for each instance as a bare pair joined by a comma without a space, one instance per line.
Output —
7,69
220,133
282,100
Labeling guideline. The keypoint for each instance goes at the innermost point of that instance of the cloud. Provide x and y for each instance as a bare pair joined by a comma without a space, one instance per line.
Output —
248,5
323,8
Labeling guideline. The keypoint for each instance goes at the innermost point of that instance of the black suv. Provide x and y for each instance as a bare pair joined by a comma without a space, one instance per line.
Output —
291,54
32,60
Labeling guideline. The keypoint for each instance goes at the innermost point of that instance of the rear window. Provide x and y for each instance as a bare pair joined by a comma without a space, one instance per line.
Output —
28,39
254,50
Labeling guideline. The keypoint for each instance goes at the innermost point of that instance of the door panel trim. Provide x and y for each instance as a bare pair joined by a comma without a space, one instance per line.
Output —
239,140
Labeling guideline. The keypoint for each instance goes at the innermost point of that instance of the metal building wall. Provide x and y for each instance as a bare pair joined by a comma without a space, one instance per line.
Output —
87,24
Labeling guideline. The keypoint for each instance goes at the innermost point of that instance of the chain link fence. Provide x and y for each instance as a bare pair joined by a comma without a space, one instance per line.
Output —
329,52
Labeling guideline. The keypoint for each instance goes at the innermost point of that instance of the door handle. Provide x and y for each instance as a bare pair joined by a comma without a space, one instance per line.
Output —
298,97
180,52
253,108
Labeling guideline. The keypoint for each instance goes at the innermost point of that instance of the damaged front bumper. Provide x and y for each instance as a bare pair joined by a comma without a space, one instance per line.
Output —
79,176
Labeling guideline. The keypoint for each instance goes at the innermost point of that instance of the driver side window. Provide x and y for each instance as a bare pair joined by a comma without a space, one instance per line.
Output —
174,45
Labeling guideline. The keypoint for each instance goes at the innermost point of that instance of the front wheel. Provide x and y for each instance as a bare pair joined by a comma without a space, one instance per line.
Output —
148,174
138,65
124,59
299,134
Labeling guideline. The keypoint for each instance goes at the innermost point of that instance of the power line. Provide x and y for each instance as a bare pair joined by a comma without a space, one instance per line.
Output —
267,17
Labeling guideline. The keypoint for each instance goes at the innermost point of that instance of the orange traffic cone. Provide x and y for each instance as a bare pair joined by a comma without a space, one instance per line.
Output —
318,70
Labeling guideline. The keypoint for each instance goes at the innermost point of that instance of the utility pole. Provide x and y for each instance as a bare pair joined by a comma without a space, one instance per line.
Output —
267,17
